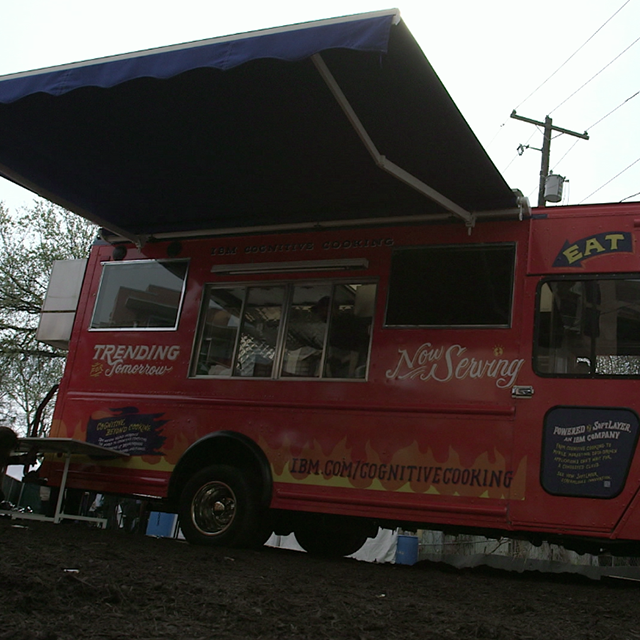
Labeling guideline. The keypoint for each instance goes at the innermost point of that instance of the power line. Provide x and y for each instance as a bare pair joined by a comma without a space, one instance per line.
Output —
613,110
595,124
631,196
574,53
555,165
611,180
518,154
497,133
595,75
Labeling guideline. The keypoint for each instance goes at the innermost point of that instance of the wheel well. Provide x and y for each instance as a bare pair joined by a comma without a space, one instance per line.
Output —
223,447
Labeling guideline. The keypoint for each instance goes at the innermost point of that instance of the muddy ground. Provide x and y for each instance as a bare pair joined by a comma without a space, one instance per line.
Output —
70,581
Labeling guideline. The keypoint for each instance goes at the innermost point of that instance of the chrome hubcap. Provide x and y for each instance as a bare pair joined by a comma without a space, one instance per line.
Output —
213,508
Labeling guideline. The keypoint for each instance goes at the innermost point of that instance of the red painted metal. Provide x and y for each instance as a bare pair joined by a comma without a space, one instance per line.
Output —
430,436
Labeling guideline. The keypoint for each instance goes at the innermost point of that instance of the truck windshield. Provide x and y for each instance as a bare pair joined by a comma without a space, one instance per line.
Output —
588,327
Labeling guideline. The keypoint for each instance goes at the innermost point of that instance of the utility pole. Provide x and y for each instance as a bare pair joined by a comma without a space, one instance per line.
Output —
546,148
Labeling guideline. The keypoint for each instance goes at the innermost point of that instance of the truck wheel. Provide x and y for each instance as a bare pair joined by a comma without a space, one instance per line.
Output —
218,507
328,543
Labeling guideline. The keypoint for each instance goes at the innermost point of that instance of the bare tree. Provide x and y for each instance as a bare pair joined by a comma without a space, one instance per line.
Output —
30,241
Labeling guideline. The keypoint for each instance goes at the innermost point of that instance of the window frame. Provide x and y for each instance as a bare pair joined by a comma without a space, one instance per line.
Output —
442,247
114,264
289,285
536,348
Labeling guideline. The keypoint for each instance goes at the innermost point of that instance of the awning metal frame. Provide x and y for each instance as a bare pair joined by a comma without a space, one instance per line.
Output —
382,161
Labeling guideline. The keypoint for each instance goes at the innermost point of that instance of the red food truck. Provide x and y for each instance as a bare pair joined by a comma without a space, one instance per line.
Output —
327,382
319,307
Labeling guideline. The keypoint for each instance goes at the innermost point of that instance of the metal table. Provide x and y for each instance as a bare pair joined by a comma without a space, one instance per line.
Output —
69,447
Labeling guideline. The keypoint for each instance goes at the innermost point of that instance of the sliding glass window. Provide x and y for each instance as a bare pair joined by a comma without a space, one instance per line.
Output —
316,330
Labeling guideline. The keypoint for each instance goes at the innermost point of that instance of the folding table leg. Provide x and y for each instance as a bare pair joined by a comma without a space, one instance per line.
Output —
63,485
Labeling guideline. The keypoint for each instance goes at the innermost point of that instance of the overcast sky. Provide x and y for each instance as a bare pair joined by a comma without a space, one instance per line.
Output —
491,55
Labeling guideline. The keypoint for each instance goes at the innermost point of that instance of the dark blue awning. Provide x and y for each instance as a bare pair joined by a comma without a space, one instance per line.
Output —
341,119
287,44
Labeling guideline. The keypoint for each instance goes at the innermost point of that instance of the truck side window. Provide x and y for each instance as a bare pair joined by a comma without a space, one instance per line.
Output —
259,332
141,294
451,286
588,327
349,331
220,323
295,330
306,330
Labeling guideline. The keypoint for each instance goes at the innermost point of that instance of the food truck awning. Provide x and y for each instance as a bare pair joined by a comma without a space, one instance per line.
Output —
337,120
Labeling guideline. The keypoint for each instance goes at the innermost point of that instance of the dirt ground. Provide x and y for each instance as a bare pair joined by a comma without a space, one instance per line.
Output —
70,581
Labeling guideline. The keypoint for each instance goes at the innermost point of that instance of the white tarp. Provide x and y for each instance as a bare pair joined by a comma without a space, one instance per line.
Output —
382,548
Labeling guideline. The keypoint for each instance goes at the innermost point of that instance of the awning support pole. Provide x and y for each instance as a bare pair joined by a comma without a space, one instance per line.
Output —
380,160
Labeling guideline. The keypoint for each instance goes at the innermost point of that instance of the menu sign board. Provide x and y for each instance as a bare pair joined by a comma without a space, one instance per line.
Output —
587,451
128,431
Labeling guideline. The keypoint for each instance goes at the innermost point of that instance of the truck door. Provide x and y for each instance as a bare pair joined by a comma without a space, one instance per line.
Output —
576,406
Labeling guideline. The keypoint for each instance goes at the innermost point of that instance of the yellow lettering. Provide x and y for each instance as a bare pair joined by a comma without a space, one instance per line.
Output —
613,239
593,245
572,253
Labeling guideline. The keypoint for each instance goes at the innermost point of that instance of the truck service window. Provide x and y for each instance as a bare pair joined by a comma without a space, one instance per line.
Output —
451,286
143,294
294,330
588,327
259,331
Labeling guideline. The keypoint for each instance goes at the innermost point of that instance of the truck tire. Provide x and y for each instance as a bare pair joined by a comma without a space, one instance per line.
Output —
329,543
219,507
